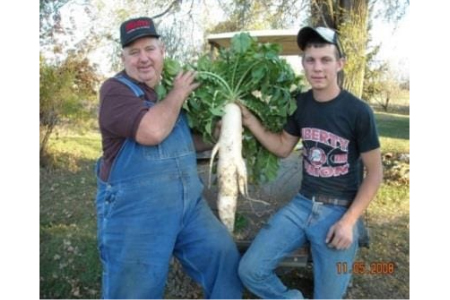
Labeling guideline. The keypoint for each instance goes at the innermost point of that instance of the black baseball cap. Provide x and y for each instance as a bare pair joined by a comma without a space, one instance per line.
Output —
137,28
326,34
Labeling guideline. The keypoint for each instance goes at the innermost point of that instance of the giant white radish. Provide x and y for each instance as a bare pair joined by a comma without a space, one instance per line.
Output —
259,79
231,169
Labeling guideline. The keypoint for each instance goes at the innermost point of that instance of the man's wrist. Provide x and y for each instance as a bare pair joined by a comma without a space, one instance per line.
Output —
177,95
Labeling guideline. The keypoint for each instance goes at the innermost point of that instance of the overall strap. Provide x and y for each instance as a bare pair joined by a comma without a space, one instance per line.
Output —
134,87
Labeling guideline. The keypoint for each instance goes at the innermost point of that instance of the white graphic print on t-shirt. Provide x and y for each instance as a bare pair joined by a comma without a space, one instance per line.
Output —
327,156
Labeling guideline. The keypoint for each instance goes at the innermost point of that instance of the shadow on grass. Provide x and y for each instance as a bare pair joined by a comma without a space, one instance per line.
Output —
69,261
392,126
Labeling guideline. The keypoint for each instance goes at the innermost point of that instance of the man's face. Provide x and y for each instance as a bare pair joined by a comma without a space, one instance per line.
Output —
321,66
144,60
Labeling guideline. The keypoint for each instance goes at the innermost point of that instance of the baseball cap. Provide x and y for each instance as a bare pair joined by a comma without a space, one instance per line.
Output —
137,28
327,34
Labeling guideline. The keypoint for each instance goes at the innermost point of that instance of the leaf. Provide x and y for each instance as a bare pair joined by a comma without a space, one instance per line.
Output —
161,91
258,72
216,111
204,63
292,107
171,67
240,43
208,128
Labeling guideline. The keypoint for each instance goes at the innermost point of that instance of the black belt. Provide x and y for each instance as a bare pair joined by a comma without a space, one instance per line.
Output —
326,199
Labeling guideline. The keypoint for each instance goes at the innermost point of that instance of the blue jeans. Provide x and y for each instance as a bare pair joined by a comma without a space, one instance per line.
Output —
151,208
300,221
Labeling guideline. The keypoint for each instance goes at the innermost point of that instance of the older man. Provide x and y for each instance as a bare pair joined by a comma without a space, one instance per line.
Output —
149,199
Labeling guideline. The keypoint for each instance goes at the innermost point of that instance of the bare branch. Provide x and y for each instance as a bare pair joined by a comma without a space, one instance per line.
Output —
322,16
167,9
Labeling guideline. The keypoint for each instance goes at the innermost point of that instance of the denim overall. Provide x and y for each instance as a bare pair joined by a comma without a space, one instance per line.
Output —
152,207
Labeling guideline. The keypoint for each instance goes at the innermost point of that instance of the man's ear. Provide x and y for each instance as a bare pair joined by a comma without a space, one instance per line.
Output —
341,63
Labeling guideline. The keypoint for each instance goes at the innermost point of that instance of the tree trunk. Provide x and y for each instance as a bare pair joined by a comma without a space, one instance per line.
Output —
386,103
46,128
355,36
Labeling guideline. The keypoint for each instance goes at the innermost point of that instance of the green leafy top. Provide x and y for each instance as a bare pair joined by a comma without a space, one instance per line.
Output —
253,74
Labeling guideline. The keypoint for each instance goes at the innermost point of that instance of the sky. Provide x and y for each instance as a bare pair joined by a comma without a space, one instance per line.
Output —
395,43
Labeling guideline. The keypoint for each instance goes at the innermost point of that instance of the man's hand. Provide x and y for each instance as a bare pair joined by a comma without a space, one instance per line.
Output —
280,144
247,116
158,122
340,236
183,84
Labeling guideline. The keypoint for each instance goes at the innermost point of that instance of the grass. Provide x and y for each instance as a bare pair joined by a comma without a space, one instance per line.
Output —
394,132
69,261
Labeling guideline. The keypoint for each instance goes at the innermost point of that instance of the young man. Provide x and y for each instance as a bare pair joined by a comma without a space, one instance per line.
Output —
149,198
337,131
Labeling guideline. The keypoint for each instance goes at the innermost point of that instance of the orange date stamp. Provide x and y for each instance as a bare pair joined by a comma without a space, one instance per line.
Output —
362,268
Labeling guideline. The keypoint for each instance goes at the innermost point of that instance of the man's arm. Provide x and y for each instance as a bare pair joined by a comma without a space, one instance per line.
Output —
158,122
340,234
280,144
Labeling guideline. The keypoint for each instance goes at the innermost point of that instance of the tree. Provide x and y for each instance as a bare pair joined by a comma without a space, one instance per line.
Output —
381,85
55,33
66,91
50,18
404,85
372,75
258,15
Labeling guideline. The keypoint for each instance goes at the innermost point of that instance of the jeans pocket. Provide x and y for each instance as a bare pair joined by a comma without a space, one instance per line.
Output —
108,204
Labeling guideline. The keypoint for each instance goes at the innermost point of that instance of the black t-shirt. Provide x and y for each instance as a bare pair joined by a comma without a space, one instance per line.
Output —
334,134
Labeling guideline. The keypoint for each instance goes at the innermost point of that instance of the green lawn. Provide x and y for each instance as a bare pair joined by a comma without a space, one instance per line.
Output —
394,132
69,262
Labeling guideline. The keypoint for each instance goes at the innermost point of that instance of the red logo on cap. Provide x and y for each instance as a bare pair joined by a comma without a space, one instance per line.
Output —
137,24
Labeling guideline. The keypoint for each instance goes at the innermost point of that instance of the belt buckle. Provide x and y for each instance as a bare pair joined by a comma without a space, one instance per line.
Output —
319,199
316,199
